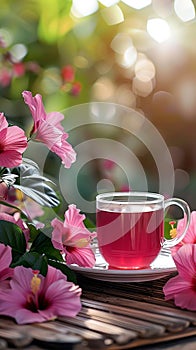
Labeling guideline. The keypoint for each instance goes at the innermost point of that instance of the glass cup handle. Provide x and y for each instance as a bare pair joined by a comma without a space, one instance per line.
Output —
187,215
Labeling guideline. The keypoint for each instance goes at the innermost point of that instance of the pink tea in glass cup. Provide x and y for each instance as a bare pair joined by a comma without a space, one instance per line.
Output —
130,228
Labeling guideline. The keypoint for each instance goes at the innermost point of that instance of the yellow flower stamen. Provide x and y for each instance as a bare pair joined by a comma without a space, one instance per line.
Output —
35,283
81,243
173,232
19,195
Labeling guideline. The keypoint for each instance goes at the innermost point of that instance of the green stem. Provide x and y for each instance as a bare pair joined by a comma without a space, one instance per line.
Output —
2,170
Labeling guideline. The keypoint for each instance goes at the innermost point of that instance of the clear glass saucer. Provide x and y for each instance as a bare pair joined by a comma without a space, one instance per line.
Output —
162,266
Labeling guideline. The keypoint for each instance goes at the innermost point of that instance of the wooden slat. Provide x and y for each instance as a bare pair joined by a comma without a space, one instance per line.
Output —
22,335
172,324
96,339
118,334
159,309
16,338
142,328
53,339
3,344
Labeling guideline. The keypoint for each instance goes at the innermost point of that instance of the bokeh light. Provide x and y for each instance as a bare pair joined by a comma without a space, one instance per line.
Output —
103,89
162,8
82,8
81,61
144,68
128,58
158,29
137,4
184,9
108,3
142,87
112,15
121,42
7,36
18,52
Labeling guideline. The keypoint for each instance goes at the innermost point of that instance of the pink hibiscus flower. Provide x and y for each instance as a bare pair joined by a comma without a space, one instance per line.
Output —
47,129
190,236
73,238
5,261
13,143
34,298
181,288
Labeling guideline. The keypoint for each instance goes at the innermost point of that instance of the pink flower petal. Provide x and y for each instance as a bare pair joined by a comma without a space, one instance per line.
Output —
186,299
48,134
21,280
57,234
65,298
5,256
3,122
24,316
182,292
54,118
53,276
10,303
13,143
174,286
82,257
47,129
5,261
65,152
15,139
36,107
182,288
190,236
185,260
3,190
73,216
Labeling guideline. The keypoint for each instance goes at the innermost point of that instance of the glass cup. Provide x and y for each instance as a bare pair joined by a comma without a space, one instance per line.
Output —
130,227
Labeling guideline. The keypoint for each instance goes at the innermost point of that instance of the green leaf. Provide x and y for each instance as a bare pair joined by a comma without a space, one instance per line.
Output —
33,260
43,245
71,276
33,231
12,235
89,223
34,185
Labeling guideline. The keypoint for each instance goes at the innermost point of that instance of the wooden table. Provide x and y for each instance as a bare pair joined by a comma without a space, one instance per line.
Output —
114,316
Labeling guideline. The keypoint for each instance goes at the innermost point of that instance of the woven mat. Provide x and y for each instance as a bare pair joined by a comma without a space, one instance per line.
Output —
114,316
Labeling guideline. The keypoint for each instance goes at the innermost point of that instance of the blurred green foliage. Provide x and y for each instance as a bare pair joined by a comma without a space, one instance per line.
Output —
53,38
41,27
